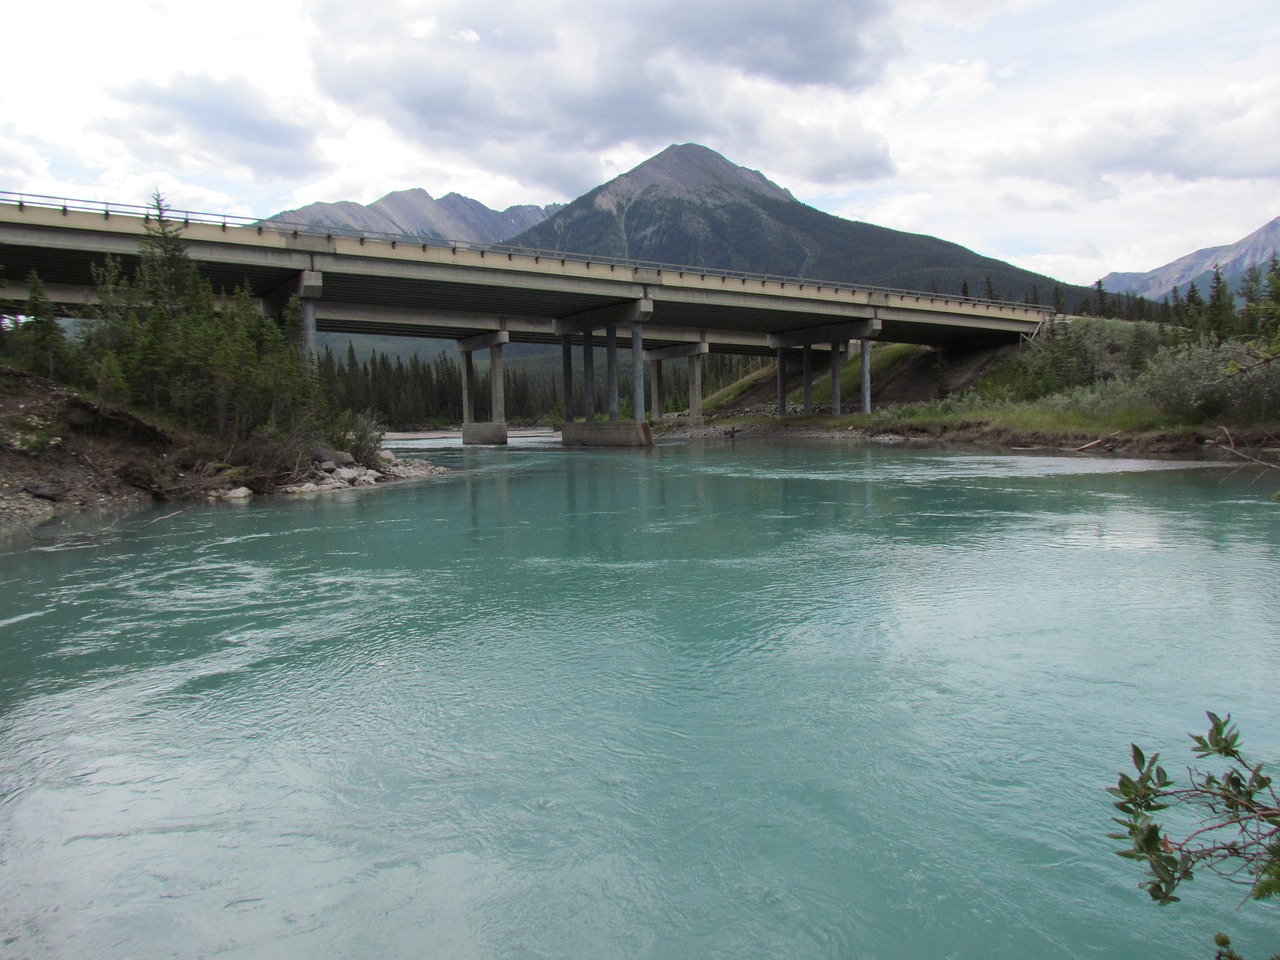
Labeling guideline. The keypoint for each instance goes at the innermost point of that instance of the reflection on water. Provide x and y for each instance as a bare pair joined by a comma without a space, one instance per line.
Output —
765,700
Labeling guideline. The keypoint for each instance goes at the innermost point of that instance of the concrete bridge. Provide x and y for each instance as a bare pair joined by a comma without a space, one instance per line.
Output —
484,297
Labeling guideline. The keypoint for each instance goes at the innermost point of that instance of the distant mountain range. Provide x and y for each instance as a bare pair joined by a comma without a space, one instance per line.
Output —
415,213
690,206
1256,249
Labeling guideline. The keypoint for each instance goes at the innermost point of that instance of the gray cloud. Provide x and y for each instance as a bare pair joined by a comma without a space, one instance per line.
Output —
227,122
846,44
570,81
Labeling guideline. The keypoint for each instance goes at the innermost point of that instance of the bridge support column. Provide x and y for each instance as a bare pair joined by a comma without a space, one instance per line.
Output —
637,367
657,401
694,353
468,389
309,328
611,369
782,382
494,432
695,389
837,359
497,385
310,286
808,380
866,375
588,376
566,372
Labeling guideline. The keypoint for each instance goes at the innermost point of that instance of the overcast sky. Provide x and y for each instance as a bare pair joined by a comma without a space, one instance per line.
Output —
1073,137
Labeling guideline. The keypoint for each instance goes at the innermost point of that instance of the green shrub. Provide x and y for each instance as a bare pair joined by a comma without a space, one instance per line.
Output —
360,434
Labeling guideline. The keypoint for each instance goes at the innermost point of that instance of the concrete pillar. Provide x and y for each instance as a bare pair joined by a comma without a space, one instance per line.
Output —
309,328
309,288
836,358
808,380
782,382
866,375
611,369
468,388
497,386
657,401
637,369
695,388
588,376
566,371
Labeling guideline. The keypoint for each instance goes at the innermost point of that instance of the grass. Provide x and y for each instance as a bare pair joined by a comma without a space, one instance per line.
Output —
727,395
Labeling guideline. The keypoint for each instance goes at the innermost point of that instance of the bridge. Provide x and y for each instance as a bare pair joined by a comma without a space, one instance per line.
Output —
485,296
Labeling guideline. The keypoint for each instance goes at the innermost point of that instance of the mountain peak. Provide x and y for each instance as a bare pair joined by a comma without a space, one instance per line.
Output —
687,171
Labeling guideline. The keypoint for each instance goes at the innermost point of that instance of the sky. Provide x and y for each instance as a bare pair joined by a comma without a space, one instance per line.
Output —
1071,137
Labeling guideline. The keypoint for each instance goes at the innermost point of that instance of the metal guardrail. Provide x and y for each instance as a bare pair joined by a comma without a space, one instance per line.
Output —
188,217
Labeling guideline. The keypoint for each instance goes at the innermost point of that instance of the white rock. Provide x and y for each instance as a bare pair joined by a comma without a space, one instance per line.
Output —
239,493
348,474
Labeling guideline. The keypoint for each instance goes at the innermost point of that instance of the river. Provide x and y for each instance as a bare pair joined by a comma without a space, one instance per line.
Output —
763,699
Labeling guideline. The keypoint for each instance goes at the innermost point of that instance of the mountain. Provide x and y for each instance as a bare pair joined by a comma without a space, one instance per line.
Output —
690,206
416,213
1256,249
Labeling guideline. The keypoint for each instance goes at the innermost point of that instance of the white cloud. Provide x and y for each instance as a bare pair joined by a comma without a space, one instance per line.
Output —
422,28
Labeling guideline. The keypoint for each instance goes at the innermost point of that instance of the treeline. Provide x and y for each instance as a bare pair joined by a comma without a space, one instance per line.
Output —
421,393
1224,313
417,394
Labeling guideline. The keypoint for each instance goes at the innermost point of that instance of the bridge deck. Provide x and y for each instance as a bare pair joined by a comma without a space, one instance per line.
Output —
408,287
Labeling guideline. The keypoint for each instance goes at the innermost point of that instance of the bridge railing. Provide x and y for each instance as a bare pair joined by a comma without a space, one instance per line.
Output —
224,220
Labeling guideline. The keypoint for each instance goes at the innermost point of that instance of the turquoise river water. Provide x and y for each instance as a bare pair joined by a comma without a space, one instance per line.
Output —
709,700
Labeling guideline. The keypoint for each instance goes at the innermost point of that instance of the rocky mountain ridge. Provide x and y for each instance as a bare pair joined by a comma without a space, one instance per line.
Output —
415,213
1233,259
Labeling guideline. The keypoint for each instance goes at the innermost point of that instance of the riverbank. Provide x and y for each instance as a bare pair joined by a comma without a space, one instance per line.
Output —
63,454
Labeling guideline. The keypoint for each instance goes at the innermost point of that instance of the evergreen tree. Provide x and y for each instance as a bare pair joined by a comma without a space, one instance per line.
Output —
1251,291
1193,306
44,345
1219,312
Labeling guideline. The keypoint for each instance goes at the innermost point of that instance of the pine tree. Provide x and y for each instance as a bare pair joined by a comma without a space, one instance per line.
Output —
1219,313
45,345
1194,307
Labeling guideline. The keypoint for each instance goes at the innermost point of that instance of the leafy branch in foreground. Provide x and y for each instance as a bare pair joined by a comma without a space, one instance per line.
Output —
1238,836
